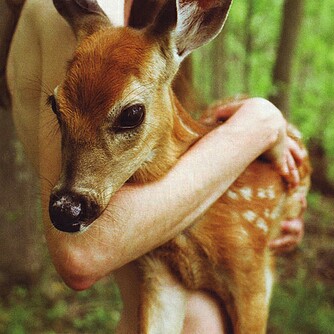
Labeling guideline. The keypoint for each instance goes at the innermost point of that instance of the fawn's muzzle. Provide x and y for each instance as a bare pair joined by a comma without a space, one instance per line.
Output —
71,212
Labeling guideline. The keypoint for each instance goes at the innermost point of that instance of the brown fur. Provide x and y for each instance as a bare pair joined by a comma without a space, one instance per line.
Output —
226,250
226,254
98,55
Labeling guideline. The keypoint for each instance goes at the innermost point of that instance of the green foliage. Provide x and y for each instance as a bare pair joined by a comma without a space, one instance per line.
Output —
248,69
313,90
303,298
264,38
302,305
52,308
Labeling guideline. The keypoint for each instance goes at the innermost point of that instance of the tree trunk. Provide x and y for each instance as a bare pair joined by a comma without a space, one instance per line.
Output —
219,73
292,18
248,45
19,256
320,162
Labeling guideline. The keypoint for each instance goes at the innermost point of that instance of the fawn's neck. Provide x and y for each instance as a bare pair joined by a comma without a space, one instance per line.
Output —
186,131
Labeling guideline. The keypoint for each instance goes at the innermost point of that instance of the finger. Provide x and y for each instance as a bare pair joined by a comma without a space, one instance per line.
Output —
286,169
293,177
293,232
293,227
284,244
223,112
298,153
283,167
279,157
220,111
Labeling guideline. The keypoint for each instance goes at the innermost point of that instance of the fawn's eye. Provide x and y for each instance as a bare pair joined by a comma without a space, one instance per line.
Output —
130,117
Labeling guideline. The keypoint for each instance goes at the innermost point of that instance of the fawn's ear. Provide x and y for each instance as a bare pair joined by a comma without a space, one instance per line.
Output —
190,23
143,12
84,16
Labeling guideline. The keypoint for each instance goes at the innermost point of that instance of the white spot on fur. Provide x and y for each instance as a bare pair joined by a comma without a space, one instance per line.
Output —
278,209
246,193
275,213
267,213
266,193
185,9
262,225
249,215
134,92
261,193
271,192
232,195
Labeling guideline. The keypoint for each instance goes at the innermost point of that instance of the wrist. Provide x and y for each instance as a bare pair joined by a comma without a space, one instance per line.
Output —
259,121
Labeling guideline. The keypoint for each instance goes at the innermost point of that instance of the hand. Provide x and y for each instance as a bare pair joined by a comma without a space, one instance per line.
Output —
222,110
292,233
286,155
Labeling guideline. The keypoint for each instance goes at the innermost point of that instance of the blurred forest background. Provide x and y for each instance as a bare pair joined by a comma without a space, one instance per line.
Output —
279,49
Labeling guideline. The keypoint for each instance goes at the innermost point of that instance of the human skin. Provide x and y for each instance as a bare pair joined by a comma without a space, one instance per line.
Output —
142,217
292,231
139,217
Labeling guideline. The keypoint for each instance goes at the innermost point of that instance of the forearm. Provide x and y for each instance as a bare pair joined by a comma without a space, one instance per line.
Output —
140,218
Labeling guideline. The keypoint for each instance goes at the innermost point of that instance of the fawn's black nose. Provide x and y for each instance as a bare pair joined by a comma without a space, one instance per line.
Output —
71,212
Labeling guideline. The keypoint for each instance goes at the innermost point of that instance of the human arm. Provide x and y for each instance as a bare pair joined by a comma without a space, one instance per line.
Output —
292,231
142,217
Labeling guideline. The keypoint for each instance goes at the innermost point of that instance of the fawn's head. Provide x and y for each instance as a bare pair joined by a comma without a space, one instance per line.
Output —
114,107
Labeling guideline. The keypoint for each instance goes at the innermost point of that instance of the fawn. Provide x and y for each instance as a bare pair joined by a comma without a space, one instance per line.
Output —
120,121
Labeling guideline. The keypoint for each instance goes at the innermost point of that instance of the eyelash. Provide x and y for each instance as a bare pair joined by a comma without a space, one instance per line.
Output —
51,101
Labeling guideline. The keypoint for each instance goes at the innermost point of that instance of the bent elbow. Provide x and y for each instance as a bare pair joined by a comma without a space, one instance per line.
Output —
79,283
80,269
81,262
